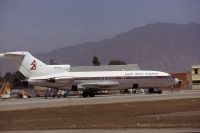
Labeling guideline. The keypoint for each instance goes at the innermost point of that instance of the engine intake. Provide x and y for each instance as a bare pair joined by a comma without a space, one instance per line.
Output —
24,82
51,80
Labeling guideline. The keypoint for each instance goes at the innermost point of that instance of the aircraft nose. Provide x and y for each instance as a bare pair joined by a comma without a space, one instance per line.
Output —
177,81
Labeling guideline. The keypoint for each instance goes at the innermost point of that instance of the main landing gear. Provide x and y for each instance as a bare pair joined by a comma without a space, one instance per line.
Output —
88,94
155,90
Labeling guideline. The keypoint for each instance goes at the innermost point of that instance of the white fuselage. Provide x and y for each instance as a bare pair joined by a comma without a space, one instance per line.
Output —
126,79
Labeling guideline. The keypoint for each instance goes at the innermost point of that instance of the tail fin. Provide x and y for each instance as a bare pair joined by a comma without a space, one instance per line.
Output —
31,67
28,65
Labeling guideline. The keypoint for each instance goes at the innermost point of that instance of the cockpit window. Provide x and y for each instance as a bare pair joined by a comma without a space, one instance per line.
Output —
170,78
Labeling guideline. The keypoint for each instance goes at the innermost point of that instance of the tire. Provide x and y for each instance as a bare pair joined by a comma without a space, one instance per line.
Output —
91,94
85,94
151,90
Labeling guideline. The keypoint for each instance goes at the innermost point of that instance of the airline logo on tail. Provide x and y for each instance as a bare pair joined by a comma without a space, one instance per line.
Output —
33,64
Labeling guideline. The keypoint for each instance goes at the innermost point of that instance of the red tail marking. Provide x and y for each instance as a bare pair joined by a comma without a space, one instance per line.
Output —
33,65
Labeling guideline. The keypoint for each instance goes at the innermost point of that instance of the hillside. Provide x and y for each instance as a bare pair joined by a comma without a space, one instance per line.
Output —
159,46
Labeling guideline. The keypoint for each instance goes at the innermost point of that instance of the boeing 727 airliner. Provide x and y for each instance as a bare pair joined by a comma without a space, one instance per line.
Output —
59,76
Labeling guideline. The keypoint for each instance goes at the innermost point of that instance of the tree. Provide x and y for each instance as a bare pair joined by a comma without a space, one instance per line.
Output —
95,61
14,79
116,62
8,77
17,79
1,79
52,62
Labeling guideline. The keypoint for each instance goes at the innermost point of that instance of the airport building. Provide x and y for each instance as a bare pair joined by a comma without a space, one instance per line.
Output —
195,76
128,67
186,80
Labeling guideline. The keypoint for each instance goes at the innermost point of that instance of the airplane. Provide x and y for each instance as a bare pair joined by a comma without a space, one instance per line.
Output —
59,76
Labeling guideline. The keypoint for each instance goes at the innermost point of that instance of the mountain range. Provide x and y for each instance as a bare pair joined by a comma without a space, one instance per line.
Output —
159,46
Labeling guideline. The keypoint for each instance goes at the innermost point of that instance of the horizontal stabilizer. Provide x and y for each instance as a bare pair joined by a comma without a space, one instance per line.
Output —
1,55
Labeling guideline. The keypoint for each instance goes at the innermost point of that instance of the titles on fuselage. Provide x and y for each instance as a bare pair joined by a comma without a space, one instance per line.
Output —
142,74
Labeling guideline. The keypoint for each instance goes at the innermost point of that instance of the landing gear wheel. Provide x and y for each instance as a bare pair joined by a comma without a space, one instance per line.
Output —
91,94
88,93
151,90
85,94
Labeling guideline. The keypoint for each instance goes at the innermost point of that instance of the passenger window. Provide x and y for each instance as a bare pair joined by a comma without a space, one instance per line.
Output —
195,71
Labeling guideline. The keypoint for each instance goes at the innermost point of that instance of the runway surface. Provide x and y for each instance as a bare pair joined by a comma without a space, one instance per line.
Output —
20,104
167,130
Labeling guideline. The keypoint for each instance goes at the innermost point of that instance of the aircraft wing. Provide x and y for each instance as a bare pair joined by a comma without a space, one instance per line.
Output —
98,84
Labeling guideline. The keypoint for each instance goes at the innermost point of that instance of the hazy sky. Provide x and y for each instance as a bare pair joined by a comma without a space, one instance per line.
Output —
43,25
